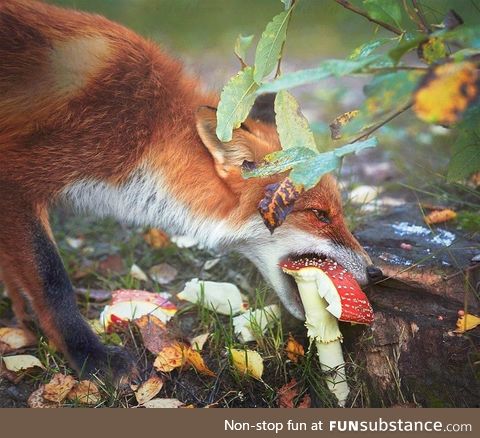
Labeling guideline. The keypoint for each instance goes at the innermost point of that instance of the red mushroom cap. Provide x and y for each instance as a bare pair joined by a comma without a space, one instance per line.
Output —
350,304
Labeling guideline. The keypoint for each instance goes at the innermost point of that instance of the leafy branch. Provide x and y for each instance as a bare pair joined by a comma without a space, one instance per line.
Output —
347,5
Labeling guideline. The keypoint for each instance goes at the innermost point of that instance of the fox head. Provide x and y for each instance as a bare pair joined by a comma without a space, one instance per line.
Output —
315,226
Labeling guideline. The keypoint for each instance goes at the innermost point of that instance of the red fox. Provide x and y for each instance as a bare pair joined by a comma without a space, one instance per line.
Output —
94,114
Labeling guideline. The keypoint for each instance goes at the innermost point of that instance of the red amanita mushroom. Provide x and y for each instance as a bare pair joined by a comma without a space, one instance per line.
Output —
329,293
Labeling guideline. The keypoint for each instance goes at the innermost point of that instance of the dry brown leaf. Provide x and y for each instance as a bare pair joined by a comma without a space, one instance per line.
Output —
113,264
467,322
37,401
12,338
287,395
437,217
170,357
294,349
247,362
58,388
156,238
85,392
148,389
154,333
163,403
196,360
162,273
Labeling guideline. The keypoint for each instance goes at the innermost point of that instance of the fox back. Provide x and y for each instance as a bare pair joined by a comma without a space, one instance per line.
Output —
94,114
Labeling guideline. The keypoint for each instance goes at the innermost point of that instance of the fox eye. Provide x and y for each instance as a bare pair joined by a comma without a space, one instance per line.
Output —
321,215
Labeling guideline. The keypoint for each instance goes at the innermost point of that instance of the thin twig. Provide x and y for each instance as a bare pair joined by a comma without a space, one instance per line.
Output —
424,27
389,119
278,71
347,5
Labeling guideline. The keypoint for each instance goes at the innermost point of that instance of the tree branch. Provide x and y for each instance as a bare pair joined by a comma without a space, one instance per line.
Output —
421,17
347,5
387,120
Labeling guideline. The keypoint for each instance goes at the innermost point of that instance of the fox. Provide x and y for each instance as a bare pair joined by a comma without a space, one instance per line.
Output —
97,116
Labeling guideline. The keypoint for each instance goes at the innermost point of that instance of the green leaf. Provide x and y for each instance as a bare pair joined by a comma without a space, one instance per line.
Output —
241,46
270,45
409,42
388,11
293,128
278,162
368,48
465,155
287,3
236,100
309,173
332,67
385,95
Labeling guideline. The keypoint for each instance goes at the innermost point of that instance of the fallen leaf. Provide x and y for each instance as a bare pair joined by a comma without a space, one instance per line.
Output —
287,395
184,241
436,217
170,357
247,362
253,324
75,242
467,322
37,401
154,333
198,342
148,389
224,298
95,295
294,349
85,392
163,403
162,273
12,338
196,360
58,388
156,238
137,273
113,264
446,92
21,362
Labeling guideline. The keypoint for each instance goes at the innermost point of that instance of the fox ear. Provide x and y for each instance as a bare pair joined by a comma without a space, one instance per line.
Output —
228,156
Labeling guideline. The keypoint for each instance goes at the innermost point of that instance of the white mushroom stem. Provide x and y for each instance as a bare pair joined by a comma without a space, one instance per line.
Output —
322,326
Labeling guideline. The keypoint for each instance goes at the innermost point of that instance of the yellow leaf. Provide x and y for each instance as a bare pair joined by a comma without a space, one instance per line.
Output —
21,362
199,341
58,388
247,362
163,403
439,216
169,358
148,389
467,322
196,360
156,238
339,122
294,349
85,392
446,92
12,339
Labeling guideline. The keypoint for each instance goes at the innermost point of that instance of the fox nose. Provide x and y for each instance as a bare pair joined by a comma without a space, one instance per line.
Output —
374,273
